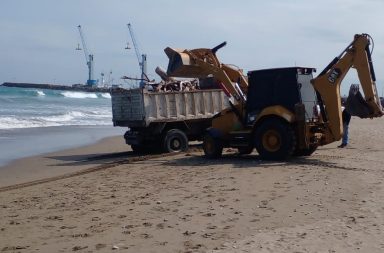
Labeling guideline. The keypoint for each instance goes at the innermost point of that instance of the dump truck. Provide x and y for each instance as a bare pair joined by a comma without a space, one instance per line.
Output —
165,121
282,112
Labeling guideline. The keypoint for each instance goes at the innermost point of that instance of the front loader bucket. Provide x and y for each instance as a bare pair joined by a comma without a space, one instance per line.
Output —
194,63
357,106
181,65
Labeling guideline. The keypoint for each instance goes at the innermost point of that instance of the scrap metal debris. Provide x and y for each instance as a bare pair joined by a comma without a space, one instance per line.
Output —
177,85
169,84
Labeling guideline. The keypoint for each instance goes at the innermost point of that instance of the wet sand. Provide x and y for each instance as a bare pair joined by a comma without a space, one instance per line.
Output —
25,142
329,202
62,162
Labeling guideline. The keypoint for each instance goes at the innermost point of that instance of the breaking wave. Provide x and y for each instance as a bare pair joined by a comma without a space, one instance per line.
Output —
75,94
72,118
27,108
40,93
11,92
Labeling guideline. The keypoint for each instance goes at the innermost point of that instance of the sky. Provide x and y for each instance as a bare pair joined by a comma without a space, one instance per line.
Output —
39,37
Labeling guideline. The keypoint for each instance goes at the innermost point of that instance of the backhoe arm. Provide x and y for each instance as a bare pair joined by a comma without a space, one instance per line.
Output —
200,63
327,85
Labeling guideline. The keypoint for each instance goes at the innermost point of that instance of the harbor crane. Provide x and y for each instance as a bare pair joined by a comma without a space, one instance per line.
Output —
88,58
141,58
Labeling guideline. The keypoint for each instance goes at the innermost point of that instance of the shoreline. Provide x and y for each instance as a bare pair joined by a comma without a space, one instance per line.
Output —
25,142
56,163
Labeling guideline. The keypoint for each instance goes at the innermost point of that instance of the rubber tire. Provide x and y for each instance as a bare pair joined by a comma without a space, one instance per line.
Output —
212,146
245,150
286,138
175,140
304,152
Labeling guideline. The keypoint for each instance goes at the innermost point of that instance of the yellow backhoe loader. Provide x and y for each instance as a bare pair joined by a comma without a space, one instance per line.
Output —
283,111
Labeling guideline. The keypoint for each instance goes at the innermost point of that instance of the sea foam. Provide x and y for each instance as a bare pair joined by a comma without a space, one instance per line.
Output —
72,94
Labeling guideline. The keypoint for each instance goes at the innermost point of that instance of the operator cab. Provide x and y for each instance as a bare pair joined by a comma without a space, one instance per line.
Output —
281,86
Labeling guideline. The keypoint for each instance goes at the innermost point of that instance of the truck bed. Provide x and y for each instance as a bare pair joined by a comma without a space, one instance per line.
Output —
139,107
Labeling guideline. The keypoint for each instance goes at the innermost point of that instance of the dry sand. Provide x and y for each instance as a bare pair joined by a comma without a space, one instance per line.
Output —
329,202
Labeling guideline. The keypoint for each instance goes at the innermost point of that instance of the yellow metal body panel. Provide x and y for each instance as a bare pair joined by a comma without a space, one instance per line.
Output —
279,111
227,122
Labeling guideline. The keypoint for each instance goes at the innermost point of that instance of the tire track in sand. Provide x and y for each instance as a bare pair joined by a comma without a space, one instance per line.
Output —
86,171
133,159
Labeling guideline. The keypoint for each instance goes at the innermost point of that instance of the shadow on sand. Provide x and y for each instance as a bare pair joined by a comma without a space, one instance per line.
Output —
193,159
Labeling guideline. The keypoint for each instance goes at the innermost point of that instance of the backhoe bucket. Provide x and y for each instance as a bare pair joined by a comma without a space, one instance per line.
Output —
357,106
181,65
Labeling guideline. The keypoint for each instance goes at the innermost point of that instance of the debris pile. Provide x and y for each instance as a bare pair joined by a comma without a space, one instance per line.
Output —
170,84
177,85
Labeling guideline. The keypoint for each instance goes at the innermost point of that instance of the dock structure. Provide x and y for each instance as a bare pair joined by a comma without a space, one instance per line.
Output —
74,87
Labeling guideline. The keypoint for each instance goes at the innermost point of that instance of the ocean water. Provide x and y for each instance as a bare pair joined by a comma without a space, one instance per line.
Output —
27,108
37,121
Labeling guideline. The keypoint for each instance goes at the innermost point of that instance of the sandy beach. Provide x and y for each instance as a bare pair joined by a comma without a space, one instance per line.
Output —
103,198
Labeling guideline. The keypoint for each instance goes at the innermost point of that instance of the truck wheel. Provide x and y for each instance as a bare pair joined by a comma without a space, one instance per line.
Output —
175,141
245,150
213,147
275,139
